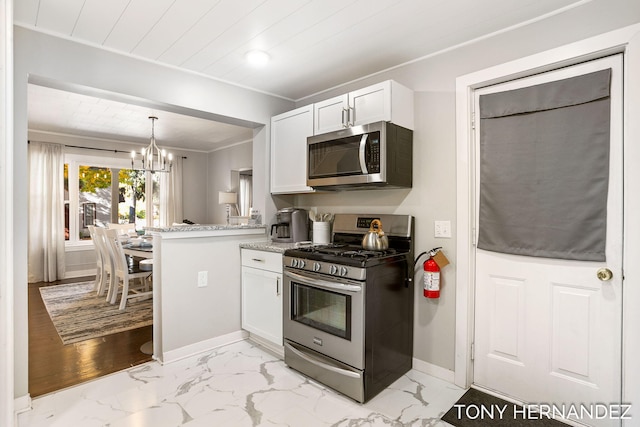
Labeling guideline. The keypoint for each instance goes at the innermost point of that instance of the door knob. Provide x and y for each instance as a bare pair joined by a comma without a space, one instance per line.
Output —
604,274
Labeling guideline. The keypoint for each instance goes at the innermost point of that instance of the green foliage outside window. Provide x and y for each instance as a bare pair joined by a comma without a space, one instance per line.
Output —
92,178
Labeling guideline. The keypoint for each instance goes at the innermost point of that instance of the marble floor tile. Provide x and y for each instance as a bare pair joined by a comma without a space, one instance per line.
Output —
236,385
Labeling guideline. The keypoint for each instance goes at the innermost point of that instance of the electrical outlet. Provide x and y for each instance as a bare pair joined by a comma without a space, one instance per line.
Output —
442,229
202,278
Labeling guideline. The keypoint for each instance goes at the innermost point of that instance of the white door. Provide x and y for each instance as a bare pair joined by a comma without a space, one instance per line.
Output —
262,303
548,331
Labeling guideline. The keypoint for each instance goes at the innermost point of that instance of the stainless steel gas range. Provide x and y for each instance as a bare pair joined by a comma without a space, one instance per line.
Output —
348,312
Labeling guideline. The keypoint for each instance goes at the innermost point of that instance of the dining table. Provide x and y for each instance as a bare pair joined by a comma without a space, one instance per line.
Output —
137,246
140,251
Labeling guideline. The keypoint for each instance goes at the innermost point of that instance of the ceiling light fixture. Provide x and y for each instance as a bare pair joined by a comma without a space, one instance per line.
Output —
153,158
257,58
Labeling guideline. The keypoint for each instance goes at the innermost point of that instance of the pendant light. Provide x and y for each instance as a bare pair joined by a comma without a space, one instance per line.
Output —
153,158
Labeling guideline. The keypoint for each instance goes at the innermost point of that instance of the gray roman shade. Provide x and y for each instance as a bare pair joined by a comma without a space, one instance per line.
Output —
544,169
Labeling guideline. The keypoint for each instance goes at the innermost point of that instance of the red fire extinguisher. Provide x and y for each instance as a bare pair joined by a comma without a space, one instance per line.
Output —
431,277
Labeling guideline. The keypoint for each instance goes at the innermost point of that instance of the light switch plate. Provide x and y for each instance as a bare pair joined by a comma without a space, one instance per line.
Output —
442,229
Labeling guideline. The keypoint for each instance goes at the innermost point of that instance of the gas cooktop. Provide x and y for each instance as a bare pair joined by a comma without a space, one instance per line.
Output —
344,250
324,258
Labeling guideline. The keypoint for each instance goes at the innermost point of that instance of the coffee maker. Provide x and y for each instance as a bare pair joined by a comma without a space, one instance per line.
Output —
292,225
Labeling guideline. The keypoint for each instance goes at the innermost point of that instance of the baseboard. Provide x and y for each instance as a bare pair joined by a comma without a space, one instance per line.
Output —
202,346
22,403
434,370
79,273
272,348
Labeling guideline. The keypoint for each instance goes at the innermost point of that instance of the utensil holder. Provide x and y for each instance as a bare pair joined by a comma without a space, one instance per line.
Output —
321,233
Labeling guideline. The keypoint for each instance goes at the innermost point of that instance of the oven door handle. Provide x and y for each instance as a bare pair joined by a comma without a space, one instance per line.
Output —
324,284
322,365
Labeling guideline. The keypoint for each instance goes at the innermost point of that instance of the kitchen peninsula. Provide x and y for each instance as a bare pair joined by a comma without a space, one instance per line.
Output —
196,287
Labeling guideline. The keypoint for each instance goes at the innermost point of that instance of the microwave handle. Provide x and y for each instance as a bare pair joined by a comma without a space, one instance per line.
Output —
332,286
363,161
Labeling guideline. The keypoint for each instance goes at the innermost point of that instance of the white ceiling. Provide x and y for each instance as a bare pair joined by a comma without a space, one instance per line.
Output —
60,112
314,45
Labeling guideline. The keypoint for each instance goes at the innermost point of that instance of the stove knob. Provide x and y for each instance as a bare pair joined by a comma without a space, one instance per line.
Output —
301,263
343,271
333,269
294,263
316,266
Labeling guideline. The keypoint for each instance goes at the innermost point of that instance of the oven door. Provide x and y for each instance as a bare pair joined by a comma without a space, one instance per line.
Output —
325,314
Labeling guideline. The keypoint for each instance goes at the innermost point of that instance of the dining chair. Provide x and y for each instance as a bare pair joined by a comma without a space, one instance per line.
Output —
99,260
123,273
106,278
128,228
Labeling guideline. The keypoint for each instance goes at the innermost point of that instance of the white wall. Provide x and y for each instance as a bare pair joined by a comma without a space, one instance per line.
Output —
93,70
221,163
6,215
433,194
194,187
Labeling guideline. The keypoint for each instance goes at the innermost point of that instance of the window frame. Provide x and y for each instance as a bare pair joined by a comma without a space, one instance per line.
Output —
74,161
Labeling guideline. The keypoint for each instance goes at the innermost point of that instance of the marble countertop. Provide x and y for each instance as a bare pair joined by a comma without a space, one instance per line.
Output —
269,246
204,227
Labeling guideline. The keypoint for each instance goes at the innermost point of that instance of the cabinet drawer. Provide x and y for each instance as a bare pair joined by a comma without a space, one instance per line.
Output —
271,261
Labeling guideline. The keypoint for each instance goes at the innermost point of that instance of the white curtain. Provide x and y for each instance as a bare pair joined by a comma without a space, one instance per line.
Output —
171,194
46,212
245,200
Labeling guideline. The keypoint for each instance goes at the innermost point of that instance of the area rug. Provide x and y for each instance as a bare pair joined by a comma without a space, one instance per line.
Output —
79,314
476,408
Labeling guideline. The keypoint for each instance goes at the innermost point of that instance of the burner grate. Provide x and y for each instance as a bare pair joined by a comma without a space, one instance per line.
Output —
364,253
342,250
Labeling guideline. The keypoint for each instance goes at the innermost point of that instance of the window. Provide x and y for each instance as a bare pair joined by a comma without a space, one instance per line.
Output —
100,190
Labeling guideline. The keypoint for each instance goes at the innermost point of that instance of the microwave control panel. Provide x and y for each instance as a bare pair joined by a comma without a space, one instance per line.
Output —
373,153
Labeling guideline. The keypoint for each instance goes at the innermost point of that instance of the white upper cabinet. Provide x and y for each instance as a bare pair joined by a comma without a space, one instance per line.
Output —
289,132
330,115
388,101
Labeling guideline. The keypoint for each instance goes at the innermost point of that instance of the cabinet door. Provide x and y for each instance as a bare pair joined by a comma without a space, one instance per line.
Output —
289,132
370,104
330,115
262,303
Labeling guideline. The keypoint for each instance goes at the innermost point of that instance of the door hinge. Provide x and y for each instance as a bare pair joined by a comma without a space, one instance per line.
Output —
473,120
473,351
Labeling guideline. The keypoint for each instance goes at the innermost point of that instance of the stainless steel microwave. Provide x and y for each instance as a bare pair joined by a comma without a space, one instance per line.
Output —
374,155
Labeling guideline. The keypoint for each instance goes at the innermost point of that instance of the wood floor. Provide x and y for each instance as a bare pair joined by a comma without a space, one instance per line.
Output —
54,366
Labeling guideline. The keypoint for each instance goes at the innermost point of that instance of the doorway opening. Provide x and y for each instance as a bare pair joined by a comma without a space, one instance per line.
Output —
53,365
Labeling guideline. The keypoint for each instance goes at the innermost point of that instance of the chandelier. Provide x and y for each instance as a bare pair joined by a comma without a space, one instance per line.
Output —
153,158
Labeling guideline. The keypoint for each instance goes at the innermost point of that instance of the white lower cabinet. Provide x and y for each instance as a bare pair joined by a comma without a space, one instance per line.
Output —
262,294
